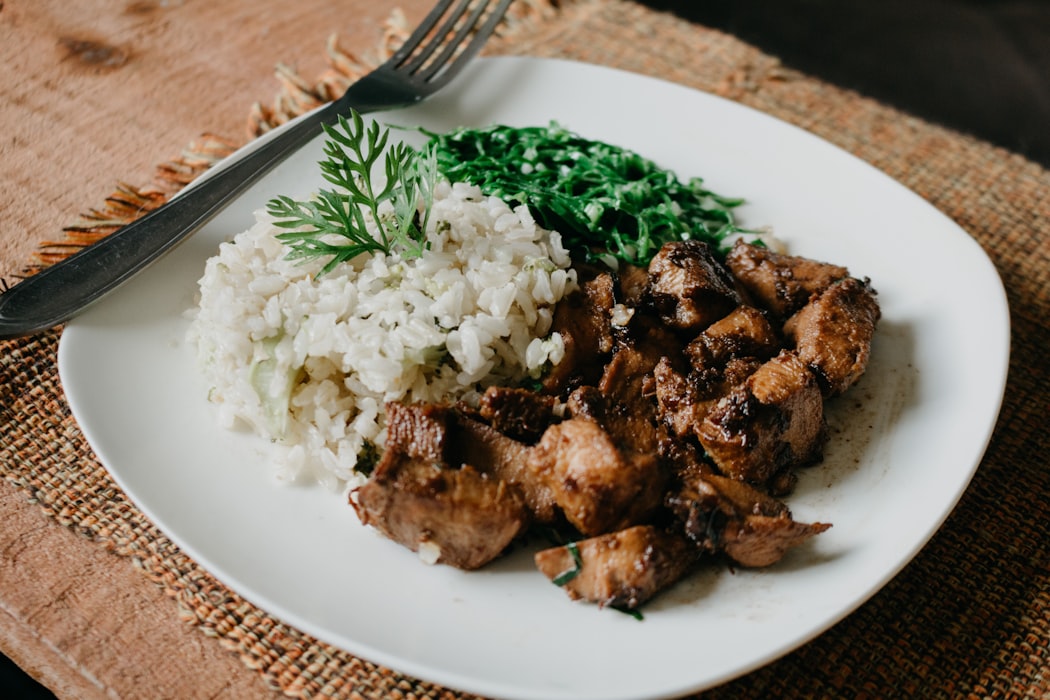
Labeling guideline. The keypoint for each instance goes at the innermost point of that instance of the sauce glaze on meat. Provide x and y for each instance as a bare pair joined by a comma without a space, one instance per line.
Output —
690,394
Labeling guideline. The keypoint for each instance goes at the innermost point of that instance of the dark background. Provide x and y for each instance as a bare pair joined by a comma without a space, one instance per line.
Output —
979,66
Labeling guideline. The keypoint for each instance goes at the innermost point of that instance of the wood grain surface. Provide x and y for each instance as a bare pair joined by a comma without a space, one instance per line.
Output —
96,91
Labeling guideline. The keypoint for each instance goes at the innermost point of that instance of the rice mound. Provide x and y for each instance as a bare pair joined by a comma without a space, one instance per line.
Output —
310,362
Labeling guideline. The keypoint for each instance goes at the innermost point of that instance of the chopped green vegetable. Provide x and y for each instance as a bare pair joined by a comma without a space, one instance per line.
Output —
601,198
334,223
633,612
274,388
577,564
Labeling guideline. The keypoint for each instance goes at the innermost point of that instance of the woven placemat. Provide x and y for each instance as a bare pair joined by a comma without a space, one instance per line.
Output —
969,617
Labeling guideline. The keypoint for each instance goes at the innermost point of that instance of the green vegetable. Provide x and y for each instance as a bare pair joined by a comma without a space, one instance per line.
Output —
601,198
577,564
333,224
633,612
273,388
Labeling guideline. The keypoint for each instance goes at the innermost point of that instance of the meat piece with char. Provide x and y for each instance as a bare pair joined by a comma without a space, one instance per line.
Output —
772,422
633,284
504,458
418,430
721,357
744,332
685,397
779,282
623,401
725,515
583,321
624,568
597,486
689,288
761,540
465,518
518,413
833,333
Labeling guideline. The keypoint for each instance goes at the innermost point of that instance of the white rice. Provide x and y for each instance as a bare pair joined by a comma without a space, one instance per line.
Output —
310,362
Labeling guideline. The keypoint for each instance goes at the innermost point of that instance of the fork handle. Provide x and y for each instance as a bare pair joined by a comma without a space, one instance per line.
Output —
59,292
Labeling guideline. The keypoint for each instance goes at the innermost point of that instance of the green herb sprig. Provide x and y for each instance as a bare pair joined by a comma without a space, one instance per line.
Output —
334,223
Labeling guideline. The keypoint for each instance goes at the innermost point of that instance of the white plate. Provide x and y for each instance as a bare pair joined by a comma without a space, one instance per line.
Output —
904,443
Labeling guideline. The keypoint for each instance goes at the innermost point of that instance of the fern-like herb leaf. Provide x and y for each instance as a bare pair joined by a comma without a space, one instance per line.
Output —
334,223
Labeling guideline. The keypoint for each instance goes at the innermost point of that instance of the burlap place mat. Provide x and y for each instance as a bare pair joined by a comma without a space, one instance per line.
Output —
969,617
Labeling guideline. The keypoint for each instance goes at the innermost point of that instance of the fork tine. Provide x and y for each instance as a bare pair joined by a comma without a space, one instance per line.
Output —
454,53
447,26
420,33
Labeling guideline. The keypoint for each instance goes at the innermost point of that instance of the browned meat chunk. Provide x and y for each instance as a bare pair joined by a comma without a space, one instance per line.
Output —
685,459
772,422
598,487
833,333
418,430
759,540
685,398
623,403
689,288
517,413
780,283
667,450
623,568
721,357
701,498
507,459
745,332
629,403
634,282
752,528
462,516
583,321
681,403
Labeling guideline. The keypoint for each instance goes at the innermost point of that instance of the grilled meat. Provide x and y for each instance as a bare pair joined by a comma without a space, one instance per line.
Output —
778,282
833,333
633,284
725,515
623,402
419,431
623,568
744,332
683,422
583,320
504,458
598,487
689,288
517,413
461,515
772,422
761,540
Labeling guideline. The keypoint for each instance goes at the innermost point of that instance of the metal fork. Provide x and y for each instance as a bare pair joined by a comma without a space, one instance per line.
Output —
437,50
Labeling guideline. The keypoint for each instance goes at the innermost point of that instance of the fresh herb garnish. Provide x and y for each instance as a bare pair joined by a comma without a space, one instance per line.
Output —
577,565
334,223
601,198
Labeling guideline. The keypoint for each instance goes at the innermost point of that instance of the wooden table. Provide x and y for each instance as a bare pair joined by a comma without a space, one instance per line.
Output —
98,92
